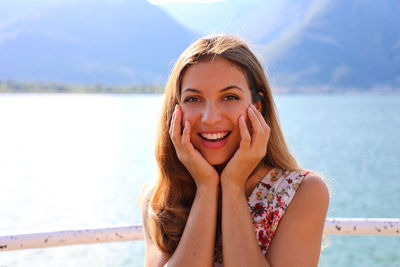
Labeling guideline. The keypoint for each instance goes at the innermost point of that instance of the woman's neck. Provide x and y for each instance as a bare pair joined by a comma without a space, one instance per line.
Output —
219,168
257,175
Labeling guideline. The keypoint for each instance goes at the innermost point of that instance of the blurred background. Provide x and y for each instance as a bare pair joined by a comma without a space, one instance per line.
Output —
81,86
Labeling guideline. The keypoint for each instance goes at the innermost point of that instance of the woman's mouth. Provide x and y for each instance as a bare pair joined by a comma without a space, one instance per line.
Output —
214,140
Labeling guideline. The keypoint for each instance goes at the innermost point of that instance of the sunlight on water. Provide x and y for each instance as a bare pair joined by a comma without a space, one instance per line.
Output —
80,161
63,152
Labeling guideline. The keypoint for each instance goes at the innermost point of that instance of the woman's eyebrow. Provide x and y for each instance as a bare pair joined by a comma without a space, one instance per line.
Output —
231,87
222,90
191,90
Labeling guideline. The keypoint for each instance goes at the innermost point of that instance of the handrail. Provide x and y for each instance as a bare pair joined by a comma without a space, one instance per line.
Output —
333,226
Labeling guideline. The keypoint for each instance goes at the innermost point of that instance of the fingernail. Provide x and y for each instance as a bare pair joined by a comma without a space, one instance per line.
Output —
252,106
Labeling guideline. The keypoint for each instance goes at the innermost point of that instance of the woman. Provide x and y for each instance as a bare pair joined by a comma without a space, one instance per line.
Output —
226,176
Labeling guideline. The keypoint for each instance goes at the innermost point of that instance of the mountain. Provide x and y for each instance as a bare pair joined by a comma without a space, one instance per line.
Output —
306,45
311,45
344,44
104,41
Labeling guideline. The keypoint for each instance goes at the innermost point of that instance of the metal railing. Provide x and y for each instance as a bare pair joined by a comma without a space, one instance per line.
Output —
333,226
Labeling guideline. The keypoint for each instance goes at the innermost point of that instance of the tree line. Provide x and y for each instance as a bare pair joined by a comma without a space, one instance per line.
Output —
11,86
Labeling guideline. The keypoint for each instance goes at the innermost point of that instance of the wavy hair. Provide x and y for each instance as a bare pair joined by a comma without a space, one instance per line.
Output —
174,190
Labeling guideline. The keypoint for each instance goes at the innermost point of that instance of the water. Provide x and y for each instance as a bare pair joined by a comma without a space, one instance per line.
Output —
79,161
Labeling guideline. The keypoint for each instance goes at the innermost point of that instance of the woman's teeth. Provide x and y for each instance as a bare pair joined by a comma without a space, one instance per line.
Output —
213,136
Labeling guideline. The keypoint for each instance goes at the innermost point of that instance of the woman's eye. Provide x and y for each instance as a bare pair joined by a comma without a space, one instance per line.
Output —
231,97
191,99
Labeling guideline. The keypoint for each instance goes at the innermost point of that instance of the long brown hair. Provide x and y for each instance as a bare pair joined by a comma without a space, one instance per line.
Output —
174,190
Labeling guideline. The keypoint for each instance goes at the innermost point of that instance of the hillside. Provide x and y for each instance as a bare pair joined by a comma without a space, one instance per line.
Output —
111,42
344,45
328,45
307,46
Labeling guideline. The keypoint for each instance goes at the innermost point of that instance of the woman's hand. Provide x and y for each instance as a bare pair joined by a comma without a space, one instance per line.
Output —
252,149
200,169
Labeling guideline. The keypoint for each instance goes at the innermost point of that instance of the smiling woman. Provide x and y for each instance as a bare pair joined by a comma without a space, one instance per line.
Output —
226,177
214,95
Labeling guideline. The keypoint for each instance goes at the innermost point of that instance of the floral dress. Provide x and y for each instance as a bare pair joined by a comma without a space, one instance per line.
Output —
268,202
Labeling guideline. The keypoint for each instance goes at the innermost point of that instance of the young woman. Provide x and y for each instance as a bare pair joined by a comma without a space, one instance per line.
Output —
226,177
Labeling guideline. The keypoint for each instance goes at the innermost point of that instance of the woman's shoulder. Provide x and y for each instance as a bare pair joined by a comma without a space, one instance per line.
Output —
314,188
278,179
311,183
145,194
301,227
281,186
312,194
143,201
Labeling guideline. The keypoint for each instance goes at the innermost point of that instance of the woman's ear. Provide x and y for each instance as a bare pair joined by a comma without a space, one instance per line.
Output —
259,104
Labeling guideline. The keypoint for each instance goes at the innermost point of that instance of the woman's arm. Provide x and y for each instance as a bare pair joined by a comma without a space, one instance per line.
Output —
153,256
240,246
196,247
297,241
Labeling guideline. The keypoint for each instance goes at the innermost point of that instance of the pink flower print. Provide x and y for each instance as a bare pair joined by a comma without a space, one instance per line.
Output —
276,213
267,186
263,239
270,217
258,210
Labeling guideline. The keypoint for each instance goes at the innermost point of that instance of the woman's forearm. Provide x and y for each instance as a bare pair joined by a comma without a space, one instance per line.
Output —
240,246
196,247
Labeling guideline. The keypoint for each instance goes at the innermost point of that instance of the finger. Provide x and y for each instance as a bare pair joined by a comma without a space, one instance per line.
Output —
186,137
176,129
245,137
171,126
260,117
177,122
186,132
255,121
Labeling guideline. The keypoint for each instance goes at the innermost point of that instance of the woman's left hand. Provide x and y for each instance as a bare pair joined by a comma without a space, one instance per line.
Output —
252,148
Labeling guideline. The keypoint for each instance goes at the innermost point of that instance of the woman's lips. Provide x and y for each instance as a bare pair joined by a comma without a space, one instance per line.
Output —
215,144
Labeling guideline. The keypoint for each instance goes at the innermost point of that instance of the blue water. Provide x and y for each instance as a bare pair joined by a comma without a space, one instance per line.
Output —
79,161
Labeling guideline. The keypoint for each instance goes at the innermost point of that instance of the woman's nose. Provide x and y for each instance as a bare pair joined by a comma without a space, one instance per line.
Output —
211,114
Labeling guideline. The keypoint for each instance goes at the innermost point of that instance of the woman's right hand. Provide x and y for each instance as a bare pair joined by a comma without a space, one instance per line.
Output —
200,169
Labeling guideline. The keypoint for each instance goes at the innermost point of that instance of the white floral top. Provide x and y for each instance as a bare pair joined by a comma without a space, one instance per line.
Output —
268,202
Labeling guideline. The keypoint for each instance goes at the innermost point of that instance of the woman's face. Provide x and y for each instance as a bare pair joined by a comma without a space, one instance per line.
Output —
213,96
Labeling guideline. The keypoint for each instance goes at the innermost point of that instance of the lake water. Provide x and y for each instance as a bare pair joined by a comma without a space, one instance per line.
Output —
79,161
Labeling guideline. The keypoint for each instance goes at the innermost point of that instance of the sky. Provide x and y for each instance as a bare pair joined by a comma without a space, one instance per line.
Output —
161,2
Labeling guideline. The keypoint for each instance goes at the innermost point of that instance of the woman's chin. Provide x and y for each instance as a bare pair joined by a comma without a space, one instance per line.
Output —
216,161
218,164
